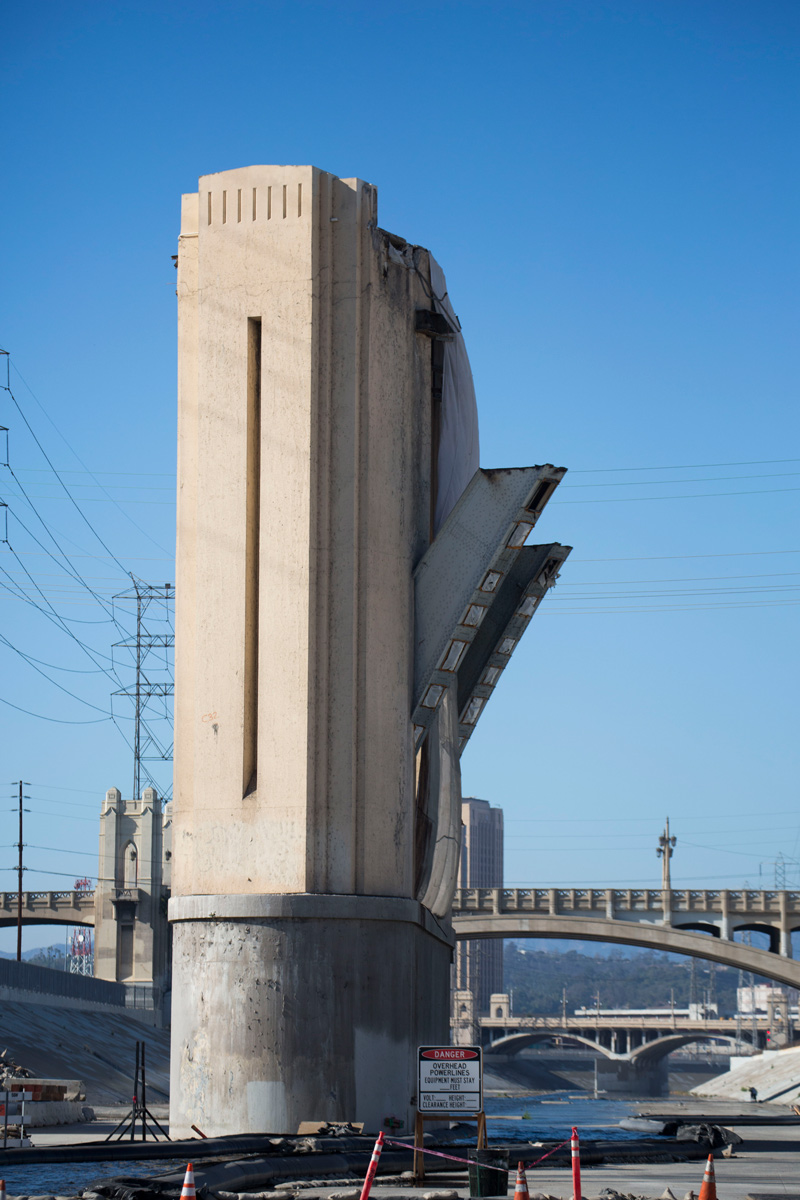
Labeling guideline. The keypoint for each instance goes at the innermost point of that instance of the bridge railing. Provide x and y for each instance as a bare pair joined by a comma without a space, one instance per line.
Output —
761,1021
607,901
47,902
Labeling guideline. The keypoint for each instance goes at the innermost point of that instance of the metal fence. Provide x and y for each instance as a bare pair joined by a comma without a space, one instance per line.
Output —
46,981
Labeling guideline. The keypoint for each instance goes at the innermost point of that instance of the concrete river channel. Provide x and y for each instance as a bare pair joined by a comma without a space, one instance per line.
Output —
528,1118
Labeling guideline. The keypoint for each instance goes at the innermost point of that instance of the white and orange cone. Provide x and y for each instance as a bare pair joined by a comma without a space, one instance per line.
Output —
521,1189
575,1148
189,1191
708,1190
373,1167
2,1189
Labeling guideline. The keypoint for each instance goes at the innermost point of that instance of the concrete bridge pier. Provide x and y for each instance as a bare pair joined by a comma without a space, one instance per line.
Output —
305,967
298,996
331,657
632,1076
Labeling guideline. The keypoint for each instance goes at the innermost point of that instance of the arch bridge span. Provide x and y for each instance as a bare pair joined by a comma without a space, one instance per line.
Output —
699,923
48,908
647,1054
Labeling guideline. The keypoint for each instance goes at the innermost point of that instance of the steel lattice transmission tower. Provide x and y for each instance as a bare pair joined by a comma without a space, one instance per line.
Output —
152,652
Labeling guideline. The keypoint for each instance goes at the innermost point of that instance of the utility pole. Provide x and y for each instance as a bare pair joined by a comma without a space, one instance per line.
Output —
665,850
20,869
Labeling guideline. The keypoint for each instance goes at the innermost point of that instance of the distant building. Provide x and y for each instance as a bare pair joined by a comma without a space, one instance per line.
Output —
478,965
695,1012
759,998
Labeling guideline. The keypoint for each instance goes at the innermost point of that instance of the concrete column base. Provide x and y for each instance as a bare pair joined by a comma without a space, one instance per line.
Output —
290,1008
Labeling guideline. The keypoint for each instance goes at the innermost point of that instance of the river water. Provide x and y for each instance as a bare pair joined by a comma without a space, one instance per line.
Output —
528,1118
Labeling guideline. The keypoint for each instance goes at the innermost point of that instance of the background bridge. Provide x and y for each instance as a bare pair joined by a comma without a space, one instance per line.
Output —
701,923
624,1035
48,908
698,922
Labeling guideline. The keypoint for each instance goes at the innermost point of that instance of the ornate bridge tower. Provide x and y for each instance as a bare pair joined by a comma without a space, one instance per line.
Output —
349,589
131,931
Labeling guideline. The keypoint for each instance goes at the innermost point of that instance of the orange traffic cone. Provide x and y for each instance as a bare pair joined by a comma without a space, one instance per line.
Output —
2,1189
189,1191
708,1190
521,1190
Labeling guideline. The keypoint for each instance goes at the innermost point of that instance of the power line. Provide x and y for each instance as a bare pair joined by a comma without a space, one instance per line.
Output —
560,594
53,616
44,675
664,482
77,456
72,499
666,608
70,569
55,720
99,557
685,557
60,788
755,462
111,500
672,579
693,496
53,666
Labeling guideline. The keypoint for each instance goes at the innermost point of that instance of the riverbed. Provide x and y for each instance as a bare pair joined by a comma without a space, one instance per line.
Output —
528,1118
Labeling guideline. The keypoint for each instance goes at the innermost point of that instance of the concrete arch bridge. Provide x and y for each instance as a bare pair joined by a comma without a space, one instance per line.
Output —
700,922
636,1039
48,908
641,1069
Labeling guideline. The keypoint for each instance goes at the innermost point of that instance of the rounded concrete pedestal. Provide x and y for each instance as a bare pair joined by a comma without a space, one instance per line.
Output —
301,1007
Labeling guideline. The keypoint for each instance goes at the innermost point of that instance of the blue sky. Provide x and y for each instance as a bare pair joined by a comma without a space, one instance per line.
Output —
612,191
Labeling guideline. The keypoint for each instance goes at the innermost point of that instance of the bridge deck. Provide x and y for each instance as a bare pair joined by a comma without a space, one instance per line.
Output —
48,908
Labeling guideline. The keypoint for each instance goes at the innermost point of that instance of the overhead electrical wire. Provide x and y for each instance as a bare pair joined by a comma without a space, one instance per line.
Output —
69,495
682,557
664,482
44,675
692,496
99,500
55,471
47,608
66,816
66,594
94,474
54,666
54,720
70,569
127,516
673,579
752,462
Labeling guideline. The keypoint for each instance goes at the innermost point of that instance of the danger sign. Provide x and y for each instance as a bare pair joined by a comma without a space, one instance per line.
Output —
450,1079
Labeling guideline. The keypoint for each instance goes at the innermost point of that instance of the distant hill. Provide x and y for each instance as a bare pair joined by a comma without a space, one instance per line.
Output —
636,978
41,956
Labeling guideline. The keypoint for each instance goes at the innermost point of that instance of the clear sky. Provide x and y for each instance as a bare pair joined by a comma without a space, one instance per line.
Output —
612,190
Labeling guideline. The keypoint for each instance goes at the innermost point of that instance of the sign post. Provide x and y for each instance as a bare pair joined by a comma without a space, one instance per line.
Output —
449,1083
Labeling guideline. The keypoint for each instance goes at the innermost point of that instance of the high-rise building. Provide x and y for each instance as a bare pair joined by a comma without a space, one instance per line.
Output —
479,964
